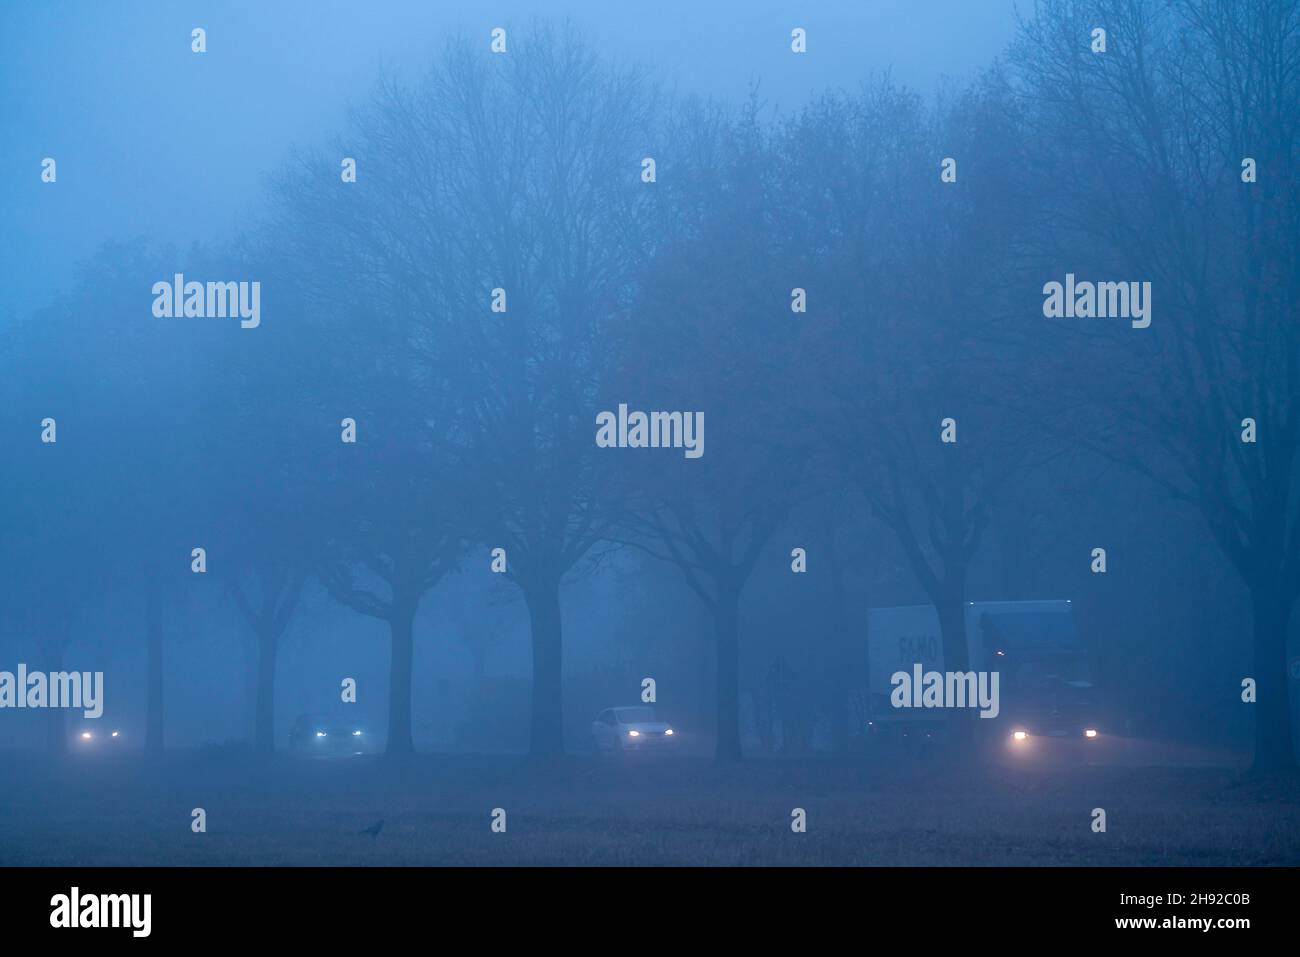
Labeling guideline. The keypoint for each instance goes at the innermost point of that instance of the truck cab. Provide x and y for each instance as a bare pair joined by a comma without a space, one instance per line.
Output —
1044,674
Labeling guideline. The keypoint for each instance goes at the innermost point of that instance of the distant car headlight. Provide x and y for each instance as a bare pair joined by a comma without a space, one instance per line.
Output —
356,734
634,734
115,734
1090,733
320,734
86,735
669,731
1020,735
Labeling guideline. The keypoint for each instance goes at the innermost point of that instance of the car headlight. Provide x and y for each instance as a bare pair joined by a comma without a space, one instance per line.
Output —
356,734
1090,733
86,735
115,734
320,734
1020,735
669,731
634,734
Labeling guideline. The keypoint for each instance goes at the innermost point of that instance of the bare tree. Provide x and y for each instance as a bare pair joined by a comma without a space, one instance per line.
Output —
518,173
917,362
1173,155
117,482
724,277
267,596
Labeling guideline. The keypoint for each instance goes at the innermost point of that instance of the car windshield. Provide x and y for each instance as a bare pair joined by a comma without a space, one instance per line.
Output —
633,715
1035,649
1058,669
1022,631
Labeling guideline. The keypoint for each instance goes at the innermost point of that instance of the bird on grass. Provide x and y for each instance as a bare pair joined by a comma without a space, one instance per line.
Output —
374,829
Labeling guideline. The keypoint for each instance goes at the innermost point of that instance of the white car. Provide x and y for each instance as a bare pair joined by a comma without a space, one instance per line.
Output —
630,729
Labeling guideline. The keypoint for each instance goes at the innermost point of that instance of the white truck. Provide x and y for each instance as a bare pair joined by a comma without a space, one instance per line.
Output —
1043,679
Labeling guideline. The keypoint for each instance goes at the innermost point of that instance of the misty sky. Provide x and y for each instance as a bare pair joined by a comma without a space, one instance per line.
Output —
156,142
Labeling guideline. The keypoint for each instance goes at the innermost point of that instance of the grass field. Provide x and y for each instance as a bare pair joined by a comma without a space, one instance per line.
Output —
672,810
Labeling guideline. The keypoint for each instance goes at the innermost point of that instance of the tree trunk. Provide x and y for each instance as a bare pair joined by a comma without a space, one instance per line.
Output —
547,738
956,657
264,720
849,646
402,627
153,732
56,728
727,632
478,655
1274,748
952,629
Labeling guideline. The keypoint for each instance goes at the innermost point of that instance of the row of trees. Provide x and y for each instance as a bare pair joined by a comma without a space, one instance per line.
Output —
475,428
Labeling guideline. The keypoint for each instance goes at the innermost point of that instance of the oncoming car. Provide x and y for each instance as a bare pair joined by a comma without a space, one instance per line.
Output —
318,734
630,729
95,737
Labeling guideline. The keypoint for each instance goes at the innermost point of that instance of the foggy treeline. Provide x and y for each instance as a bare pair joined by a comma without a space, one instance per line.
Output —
475,429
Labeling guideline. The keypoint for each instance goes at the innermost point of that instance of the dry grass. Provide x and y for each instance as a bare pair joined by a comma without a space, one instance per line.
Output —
667,810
